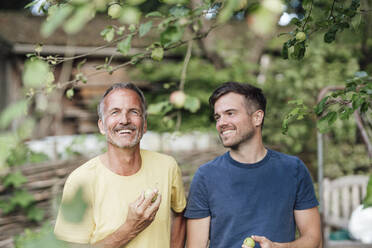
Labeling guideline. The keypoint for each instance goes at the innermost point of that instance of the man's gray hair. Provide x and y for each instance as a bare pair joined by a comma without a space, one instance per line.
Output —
129,86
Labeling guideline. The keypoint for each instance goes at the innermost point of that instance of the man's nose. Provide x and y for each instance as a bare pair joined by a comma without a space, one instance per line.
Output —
221,122
124,118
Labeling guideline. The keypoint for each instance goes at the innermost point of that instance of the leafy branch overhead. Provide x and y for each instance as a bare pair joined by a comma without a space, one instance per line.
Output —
340,104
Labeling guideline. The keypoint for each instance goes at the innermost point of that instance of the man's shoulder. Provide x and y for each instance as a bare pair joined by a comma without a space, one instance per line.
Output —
87,169
284,158
213,164
160,158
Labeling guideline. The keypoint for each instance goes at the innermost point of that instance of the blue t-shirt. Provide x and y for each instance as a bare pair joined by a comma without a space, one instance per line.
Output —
250,199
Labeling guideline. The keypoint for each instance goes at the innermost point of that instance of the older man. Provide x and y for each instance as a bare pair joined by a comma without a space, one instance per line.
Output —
119,213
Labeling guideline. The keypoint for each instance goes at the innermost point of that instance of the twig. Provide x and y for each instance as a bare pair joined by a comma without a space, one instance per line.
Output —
332,8
145,55
185,64
95,49
308,16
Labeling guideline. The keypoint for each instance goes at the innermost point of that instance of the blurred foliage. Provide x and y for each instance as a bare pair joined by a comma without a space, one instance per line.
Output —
282,82
367,202
43,238
291,85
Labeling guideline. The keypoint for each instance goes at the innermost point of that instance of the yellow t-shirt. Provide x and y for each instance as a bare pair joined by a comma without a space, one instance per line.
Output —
108,196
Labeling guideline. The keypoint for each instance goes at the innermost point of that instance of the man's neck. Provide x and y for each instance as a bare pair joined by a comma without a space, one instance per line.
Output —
122,161
250,152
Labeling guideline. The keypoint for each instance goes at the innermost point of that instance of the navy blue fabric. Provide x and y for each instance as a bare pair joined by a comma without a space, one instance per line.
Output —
250,199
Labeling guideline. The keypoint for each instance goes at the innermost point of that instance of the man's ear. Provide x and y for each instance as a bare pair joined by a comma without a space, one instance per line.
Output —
145,126
258,117
101,127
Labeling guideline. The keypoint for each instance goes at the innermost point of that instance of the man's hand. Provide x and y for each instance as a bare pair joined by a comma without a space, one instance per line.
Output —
140,215
142,212
264,242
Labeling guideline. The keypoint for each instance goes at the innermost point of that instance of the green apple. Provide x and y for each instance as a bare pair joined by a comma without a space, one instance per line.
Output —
114,10
148,193
249,242
300,36
177,98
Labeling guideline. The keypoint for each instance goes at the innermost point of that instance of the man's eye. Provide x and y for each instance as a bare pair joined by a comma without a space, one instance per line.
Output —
135,112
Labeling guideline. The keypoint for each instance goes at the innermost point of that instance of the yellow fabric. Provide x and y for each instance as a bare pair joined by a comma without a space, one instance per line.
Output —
108,196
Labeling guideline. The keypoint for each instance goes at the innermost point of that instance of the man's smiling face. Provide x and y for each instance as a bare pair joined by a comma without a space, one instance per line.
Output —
123,121
233,122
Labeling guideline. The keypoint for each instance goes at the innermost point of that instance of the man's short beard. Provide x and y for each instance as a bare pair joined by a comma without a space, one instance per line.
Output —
135,142
236,145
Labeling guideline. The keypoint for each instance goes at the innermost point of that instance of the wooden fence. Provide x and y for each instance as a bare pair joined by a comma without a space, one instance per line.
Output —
46,180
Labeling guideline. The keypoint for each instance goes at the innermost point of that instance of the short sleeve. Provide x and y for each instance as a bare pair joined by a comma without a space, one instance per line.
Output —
197,204
178,199
75,232
305,195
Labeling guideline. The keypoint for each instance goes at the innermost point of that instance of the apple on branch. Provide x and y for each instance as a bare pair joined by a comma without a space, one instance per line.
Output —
177,98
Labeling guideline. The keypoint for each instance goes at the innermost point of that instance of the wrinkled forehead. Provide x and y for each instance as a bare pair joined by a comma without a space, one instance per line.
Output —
119,98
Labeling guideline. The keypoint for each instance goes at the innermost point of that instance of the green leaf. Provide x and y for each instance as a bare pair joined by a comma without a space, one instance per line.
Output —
6,207
108,33
331,117
299,50
81,17
159,108
55,19
358,102
134,2
171,35
157,54
26,128
174,1
15,179
35,214
192,104
154,14
125,45
130,15
285,126
31,4
227,11
285,51
22,198
364,107
74,209
120,30
330,36
296,21
345,113
36,73
12,112
145,28
320,106
367,202
8,141
179,11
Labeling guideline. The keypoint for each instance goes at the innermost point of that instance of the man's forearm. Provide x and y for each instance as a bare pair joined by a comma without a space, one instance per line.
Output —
118,238
178,231
302,242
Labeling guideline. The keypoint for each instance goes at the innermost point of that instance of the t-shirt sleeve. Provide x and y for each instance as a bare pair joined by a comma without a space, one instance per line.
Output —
178,198
305,195
75,232
197,204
